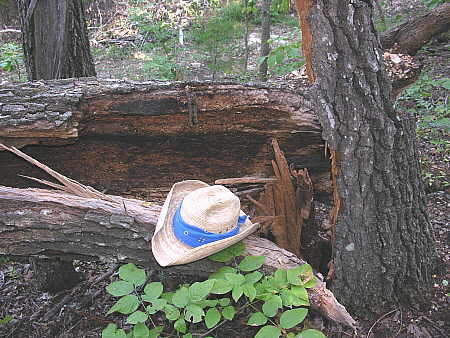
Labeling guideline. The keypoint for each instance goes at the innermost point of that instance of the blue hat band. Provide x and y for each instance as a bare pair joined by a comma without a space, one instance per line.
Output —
194,236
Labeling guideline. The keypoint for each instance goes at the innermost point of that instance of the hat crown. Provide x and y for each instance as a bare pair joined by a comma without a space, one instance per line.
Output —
215,209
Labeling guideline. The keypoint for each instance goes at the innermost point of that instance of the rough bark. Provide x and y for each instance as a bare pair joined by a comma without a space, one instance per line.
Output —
44,223
138,138
410,36
384,250
55,39
265,36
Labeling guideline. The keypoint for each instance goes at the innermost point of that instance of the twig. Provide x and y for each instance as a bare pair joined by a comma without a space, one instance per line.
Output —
9,30
434,326
378,320
242,180
105,275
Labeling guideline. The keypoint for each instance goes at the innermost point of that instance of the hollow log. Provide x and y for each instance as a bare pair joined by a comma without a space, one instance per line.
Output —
137,139
410,36
46,223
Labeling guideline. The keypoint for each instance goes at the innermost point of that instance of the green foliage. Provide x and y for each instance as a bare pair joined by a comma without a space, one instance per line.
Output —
161,67
11,58
433,3
5,320
428,99
285,58
276,299
216,39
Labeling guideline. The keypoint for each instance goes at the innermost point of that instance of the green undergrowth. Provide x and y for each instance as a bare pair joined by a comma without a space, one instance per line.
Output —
428,100
275,303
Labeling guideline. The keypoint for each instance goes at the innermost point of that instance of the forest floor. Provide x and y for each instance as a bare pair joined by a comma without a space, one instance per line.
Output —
80,311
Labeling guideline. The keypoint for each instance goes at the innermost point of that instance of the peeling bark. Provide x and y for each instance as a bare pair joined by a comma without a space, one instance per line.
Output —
384,250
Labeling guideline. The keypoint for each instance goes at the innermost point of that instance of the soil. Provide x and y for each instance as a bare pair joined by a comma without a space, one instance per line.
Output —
80,311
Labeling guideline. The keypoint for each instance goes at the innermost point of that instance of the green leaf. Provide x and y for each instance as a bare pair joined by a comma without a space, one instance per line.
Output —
157,305
229,253
310,333
291,318
207,303
180,325
120,288
137,317
155,333
220,274
251,263
224,301
6,319
172,313
257,319
181,297
133,274
193,313
271,306
140,330
228,312
301,295
199,290
281,277
188,335
212,317
268,331
253,277
237,292
235,279
250,291
153,290
293,276
167,296
125,305
287,297
221,287
111,331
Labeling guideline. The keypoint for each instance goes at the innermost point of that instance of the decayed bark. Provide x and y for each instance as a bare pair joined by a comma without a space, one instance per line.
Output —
410,36
55,39
44,223
138,138
384,251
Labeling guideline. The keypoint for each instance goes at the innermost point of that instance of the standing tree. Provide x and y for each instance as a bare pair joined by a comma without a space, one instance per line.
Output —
265,36
55,40
384,251
56,46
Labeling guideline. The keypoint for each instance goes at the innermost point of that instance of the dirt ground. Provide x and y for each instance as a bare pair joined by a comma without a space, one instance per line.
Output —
80,311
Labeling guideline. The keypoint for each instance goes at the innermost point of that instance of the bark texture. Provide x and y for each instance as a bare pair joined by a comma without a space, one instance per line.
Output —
140,138
55,39
384,250
410,36
44,223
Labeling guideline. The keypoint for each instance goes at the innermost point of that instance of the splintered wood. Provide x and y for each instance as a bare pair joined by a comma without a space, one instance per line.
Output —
284,203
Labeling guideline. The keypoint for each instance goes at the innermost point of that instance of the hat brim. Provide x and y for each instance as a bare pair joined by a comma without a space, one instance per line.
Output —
166,247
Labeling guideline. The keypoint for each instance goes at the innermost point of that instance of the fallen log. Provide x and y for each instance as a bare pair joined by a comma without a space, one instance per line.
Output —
46,223
410,36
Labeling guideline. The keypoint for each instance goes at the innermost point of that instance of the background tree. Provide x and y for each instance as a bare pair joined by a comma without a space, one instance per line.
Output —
55,39
384,251
265,36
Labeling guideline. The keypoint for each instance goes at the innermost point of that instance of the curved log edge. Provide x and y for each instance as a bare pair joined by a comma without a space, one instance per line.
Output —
79,221
46,223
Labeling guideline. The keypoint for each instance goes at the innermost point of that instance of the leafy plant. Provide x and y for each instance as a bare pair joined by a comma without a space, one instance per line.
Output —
5,320
161,67
285,58
433,3
11,58
277,301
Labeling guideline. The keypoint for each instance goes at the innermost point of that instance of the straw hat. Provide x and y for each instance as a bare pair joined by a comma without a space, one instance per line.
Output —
207,217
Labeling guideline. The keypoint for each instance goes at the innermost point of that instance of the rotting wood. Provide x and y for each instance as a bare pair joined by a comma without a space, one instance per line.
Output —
46,223
303,8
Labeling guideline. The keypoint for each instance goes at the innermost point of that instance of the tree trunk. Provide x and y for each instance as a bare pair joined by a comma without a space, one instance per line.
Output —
45,223
55,39
265,36
411,35
384,251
